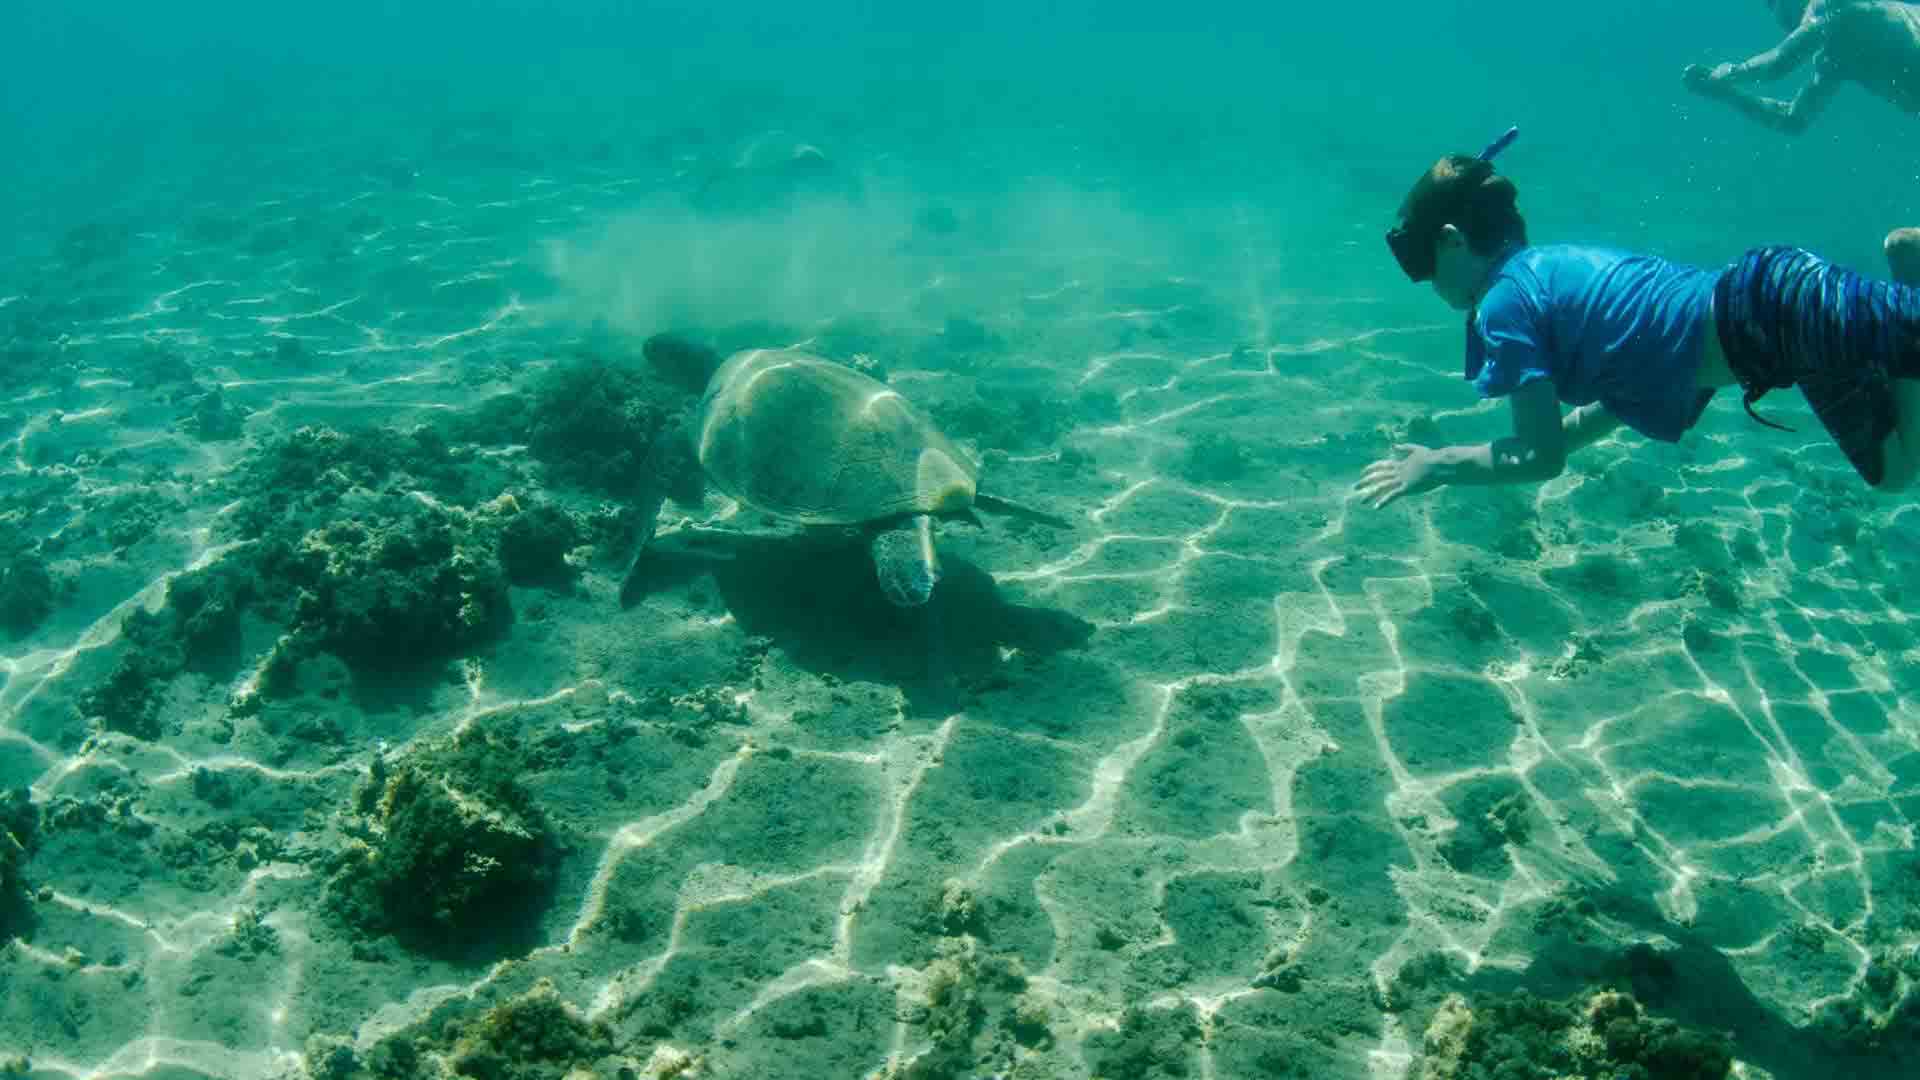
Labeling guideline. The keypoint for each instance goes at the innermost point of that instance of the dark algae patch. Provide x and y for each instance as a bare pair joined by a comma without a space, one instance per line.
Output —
1150,1044
19,835
27,584
590,419
198,628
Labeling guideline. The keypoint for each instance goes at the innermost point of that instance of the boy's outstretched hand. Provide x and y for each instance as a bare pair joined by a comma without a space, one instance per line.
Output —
1409,472
1700,76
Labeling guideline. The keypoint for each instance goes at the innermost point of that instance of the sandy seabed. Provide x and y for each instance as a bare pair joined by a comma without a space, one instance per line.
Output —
338,757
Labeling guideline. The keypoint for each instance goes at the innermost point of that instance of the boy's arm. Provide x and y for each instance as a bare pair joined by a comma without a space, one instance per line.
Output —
1588,424
1536,451
1795,49
1787,117
1538,448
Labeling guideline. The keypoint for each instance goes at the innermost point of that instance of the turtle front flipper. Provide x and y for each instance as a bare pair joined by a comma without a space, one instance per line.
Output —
668,469
906,562
634,585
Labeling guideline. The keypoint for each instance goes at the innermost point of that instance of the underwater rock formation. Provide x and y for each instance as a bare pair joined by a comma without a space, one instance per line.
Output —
978,1008
403,582
453,855
534,1036
1603,1036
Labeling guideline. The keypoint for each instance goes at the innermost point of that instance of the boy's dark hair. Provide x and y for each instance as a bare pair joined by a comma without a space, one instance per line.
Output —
1460,190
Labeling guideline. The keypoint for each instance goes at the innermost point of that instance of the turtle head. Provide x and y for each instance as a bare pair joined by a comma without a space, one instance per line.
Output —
906,562
945,486
682,359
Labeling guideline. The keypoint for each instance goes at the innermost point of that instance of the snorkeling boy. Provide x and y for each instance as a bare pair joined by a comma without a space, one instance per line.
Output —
1875,43
1637,340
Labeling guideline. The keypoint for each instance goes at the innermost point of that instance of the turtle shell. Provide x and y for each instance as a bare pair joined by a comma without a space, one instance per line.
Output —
806,439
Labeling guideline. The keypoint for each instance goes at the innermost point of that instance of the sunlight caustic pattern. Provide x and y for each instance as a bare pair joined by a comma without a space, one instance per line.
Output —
1309,759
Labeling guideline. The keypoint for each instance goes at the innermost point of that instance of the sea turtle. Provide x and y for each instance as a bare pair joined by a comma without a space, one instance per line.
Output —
772,172
812,442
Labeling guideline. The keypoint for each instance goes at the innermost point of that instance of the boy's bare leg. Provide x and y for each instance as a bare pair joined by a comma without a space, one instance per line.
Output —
1901,452
1903,255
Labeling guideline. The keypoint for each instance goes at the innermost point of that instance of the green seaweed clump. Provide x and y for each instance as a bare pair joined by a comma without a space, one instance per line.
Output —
400,1056
304,477
1884,1018
977,1008
534,544
1214,458
1606,1036
252,936
123,520
1149,1043
454,856
1493,814
213,418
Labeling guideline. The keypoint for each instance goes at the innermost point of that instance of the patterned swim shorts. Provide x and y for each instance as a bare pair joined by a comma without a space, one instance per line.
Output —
1789,318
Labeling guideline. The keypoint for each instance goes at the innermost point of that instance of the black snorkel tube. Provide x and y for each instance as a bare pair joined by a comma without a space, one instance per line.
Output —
1413,252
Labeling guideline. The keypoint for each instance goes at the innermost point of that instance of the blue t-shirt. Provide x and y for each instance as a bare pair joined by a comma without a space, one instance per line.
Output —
1624,330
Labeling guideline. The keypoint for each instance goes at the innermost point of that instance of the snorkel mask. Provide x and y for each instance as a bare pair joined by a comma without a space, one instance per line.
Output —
1412,241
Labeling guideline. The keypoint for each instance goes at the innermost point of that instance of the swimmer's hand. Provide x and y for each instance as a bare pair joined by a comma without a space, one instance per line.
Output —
1701,77
1411,471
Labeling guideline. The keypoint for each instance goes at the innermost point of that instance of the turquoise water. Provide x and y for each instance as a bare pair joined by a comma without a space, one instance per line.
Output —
331,428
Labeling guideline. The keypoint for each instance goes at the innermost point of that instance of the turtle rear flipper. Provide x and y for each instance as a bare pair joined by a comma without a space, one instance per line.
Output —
906,562
994,504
